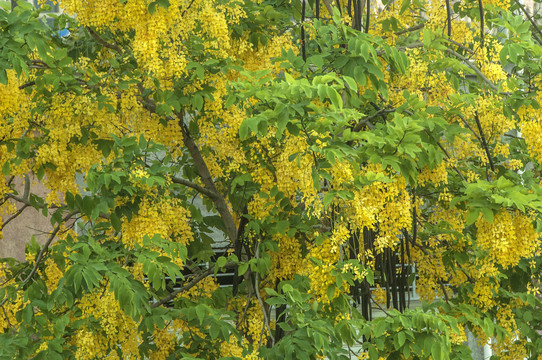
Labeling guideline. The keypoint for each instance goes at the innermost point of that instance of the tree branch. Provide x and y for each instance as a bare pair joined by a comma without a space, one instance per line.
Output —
449,18
28,84
484,142
481,8
195,186
366,121
14,216
211,190
104,43
533,23
188,286
205,175
473,67
262,306
46,246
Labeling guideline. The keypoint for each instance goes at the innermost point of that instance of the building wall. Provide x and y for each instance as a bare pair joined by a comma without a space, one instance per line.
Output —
18,232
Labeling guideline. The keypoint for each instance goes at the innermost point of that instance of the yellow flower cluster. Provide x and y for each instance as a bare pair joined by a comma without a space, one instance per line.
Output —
431,273
231,348
286,262
164,339
532,132
204,289
116,329
320,274
510,238
380,295
483,293
460,338
386,205
53,274
164,216
511,348
252,324
339,236
7,315
436,176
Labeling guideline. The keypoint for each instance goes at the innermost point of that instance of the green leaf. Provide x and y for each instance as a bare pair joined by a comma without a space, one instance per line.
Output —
401,338
335,98
28,313
220,262
328,198
488,214
201,312
330,292
197,101
230,101
6,168
472,216
242,269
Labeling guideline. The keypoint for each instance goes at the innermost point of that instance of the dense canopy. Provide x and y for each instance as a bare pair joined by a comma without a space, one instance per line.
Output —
331,156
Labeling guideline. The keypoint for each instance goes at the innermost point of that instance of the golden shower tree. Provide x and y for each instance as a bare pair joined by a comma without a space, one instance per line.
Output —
335,152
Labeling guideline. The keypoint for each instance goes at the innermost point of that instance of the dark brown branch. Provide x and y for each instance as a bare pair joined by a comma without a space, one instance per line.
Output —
533,23
410,29
188,286
104,43
469,127
195,186
205,175
30,83
368,17
449,18
329,6
481,8
303,45
446,154
366,121
443,288
14,216
484,142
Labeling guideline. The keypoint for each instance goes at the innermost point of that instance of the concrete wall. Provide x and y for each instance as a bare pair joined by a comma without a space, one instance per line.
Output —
18,232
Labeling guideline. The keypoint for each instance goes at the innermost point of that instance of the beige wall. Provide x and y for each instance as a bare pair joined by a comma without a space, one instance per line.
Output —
18,232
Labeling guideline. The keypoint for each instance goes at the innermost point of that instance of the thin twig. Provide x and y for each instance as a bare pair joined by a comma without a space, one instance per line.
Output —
446,154
303,45
410,29
449,18
14,216
469,127
484,142
368,16
46,246
262,306
481,8
533,23
460,46
402,48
